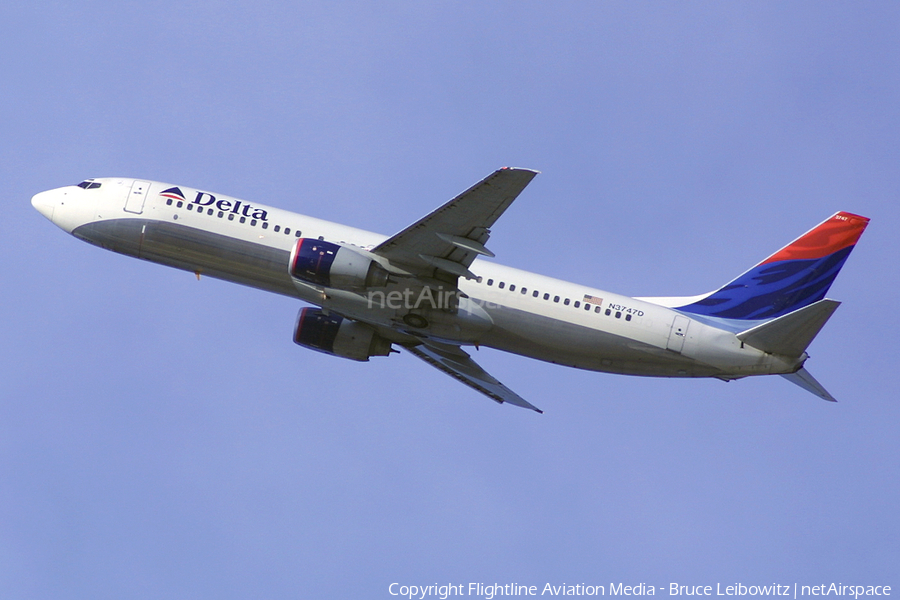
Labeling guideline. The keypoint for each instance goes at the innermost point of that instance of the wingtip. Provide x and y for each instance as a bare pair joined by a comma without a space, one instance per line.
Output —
525,169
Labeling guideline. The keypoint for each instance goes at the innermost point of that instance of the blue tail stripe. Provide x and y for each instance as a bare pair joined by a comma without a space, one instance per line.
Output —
772,289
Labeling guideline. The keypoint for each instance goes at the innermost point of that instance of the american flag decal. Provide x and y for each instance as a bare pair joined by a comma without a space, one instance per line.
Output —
592,299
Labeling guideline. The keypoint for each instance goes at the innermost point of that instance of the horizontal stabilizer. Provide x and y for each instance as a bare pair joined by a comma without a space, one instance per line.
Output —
790,334
809,383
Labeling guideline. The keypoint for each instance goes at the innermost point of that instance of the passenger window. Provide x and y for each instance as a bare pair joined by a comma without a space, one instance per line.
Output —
277,228
297,234
231,216
627,317
534,294
190,207
180,204
287,231
618,315
209,211
168,202
221,214
596,309
566,301
512,287
243,219
587,307
501,285
577,304
608,312
490,282
524,291
546,296
556,298
252,222
265,225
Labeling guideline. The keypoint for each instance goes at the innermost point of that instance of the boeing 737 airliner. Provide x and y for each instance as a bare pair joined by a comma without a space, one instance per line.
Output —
426,290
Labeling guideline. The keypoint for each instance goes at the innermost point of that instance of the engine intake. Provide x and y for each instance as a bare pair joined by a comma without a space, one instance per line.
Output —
335,335
333,265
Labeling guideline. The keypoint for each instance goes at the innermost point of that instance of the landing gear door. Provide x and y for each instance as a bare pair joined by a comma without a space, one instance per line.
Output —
135,201
678,333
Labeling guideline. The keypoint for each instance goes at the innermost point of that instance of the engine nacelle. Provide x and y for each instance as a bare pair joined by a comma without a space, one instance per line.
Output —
335,335
332,265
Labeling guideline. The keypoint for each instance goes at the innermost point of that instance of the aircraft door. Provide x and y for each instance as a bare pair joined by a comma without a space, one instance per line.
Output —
135,201
678,333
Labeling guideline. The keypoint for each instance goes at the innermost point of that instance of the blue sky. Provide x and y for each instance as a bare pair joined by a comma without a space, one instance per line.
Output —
161,437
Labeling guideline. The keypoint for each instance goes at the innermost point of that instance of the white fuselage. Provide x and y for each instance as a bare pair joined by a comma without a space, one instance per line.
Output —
508,309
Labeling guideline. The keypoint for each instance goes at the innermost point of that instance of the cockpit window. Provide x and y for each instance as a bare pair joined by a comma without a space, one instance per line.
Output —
89,184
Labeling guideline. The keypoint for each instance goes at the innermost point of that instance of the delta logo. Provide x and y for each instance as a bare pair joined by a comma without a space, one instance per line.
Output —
206,199
174,193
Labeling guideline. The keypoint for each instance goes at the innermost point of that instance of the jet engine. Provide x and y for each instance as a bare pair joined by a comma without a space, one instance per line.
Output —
335,335
333,265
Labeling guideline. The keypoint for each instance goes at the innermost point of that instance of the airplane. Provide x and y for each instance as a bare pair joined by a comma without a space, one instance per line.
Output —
429,289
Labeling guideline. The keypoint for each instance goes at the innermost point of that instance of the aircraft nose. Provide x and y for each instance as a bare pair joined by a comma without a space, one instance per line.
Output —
44,203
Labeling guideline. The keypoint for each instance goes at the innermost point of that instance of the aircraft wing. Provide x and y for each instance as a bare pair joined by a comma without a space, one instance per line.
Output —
452,236
455,362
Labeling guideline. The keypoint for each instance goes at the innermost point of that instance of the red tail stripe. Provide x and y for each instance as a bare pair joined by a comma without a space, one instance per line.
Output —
839,232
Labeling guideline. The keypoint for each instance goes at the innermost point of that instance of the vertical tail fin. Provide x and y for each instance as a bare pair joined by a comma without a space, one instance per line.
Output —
796,276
